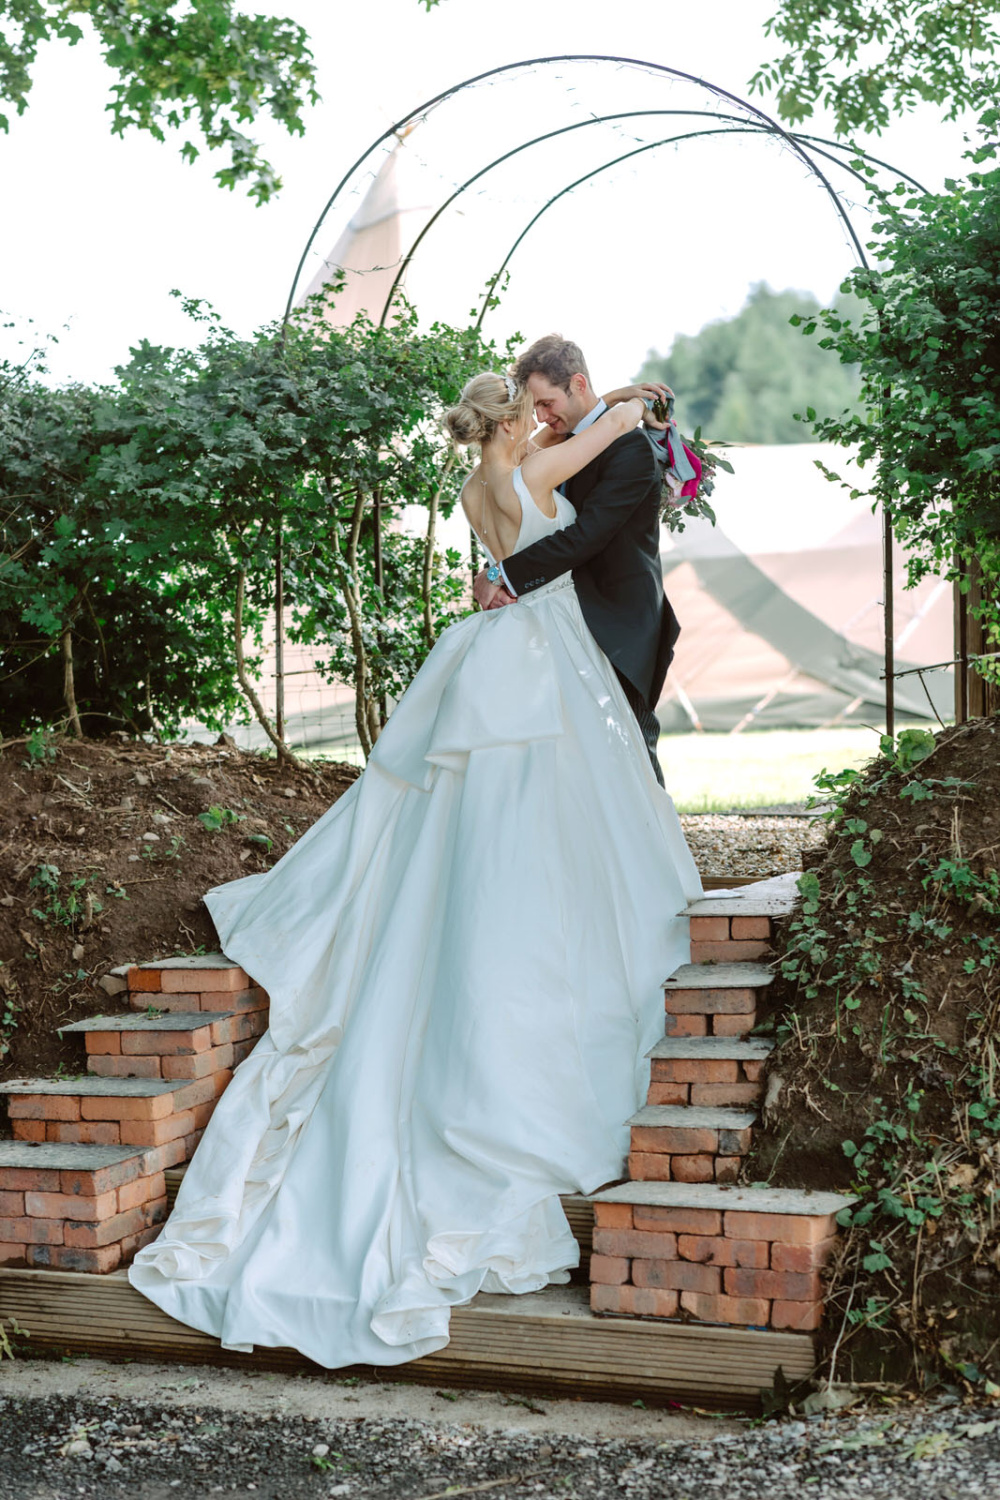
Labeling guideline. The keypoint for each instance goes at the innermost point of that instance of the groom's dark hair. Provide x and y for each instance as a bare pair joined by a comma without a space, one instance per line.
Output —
556,358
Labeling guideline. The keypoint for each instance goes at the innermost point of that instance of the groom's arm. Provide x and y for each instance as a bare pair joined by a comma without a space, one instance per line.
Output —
628,472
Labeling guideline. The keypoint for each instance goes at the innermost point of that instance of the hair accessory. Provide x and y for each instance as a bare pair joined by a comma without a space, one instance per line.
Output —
511,387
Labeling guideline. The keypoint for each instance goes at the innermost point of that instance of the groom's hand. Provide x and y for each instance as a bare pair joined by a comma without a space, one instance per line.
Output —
490,595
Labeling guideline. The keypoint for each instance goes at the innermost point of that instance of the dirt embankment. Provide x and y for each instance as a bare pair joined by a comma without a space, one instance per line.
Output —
885,1081
105,853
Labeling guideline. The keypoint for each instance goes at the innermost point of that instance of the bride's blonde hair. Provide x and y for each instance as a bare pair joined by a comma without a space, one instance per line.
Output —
484,403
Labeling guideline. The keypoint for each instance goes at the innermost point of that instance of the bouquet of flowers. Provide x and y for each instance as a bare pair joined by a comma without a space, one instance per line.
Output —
689,472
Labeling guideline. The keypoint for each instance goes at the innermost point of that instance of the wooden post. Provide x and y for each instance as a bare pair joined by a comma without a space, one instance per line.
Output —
961,651
279,638
889,618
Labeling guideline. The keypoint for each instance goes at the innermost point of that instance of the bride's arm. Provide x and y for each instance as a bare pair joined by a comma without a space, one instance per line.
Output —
549,467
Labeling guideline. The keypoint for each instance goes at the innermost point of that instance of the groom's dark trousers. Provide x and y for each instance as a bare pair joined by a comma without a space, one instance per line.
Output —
613,552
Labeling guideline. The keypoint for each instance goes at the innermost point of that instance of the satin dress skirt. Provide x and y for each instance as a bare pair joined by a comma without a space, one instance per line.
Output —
464,958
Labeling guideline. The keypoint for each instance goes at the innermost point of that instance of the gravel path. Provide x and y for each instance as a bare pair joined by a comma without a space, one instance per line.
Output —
733,844
150,1433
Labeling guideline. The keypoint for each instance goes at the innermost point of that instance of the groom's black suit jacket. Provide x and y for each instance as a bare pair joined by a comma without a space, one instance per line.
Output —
613,551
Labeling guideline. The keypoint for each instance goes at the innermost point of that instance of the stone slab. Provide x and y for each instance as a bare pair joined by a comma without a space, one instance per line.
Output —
713,1048
168,1020
191,961
691,1116
98,1088
57,1156
775,897
720,977
757,1200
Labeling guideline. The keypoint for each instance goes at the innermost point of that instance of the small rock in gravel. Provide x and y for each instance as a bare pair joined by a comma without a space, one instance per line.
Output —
159,820
78,951
151,838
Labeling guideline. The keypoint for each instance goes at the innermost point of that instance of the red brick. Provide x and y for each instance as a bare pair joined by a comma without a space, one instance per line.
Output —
157,1132
71,1205
645,1243
691,1168
243,1050
249,1026
753,1071
71,1258
167,1043
613,1215
11,1205
724,1095
202,1114
84,1132
143,1190
804,1316
161,1002
709,1002
700,1070
29,1179
220,1081
802,1258
132,1243
679,1220
735,1142
727,1168
677,1275
667,1093
160,1158
709,929
43,1107
124,1067
634,1301
28,1231
13,1255
789,1286
200,1064
90,1236
728,953
609,1270
242,1000
715,1250
202,981
196,1091
94,1181
147,980
109,1042
152,1107
191,1143
685,1025
751,927
682,1139
733,1025
744,1311
222,1030
791,1229
648,1167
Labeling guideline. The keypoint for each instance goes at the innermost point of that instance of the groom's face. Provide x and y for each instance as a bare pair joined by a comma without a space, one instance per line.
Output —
559,409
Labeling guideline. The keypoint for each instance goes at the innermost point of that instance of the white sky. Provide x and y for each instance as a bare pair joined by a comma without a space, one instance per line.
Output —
99,230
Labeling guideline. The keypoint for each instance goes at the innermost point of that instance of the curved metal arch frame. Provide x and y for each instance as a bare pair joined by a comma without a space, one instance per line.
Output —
635,62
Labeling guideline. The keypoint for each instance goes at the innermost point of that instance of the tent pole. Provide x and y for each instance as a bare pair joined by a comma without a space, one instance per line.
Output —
888,607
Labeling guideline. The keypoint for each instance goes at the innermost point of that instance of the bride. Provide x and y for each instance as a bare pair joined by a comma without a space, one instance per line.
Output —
464,958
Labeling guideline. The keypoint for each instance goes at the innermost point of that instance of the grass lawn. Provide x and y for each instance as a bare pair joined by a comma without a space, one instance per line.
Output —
713,772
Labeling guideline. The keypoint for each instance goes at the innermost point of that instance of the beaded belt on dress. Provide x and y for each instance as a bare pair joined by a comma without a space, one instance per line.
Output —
564,581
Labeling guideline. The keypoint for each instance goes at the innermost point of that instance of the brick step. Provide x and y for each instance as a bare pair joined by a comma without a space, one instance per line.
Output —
714,999
747,1256
688,1144
112,1111
78,1207
709,1071
191,973
168,1044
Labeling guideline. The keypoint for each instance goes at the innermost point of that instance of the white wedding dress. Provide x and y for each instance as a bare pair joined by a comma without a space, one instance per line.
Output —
465,957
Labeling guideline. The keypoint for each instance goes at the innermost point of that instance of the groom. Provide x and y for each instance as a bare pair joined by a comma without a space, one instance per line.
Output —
612,547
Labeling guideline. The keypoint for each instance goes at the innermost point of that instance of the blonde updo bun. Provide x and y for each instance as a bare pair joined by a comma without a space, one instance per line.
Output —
484,404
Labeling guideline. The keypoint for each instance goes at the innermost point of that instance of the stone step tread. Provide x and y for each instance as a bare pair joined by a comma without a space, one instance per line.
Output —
767,898
168,1020
694,1116
94,1087
713,1048
744,976
748,1199
190,961
59,1156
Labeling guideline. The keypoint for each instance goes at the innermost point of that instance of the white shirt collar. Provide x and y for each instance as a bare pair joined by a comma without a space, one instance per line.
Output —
591,416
